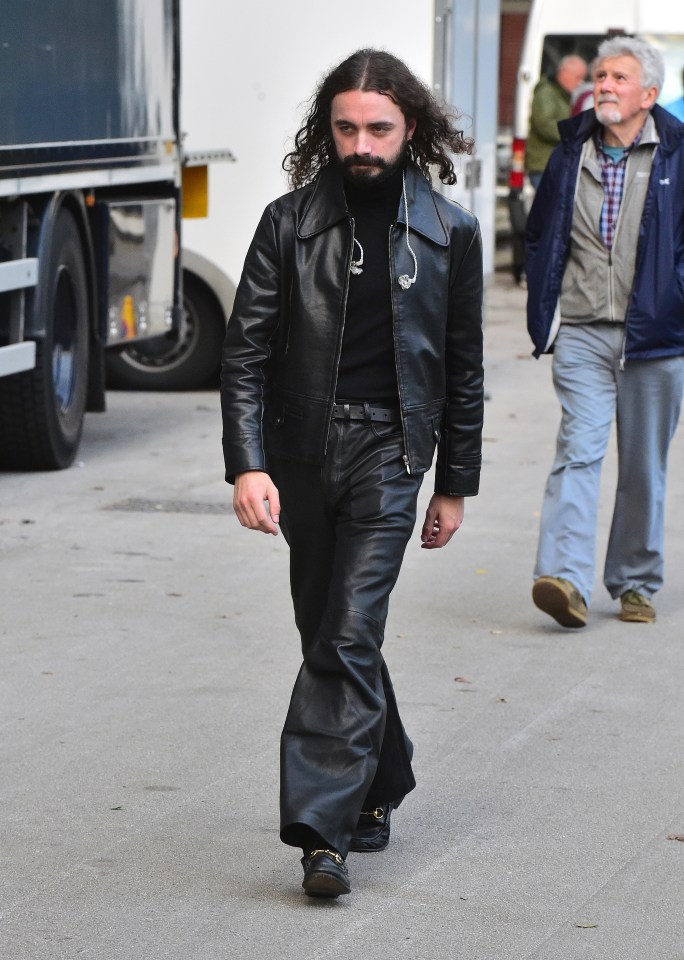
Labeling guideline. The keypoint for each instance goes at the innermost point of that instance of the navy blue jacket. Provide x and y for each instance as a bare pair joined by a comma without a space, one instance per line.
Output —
655,313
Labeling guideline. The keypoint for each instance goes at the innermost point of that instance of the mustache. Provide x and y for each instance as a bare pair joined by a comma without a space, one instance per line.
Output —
354,160
607,98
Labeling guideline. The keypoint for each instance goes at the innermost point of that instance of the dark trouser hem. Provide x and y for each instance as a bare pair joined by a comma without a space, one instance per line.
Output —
304,836
393,776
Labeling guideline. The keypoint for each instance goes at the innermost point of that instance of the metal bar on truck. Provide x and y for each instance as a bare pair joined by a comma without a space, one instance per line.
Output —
17,274
85,180
198,158
17,358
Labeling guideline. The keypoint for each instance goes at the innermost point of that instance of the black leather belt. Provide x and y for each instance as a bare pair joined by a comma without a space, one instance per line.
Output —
365,411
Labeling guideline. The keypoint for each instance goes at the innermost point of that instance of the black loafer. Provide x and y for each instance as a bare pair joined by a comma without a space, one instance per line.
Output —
325,874
372,831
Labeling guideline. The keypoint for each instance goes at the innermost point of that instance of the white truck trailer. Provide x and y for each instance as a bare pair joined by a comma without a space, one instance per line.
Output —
90,176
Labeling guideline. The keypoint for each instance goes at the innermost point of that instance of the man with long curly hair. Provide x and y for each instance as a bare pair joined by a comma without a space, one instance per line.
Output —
353,350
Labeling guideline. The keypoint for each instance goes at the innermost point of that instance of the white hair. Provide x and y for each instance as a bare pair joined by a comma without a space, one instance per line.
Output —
647,56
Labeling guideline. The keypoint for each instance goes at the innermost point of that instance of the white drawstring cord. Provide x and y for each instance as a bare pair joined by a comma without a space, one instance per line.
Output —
404,280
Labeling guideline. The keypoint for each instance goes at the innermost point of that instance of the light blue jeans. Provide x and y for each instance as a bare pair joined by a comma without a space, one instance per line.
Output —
645,399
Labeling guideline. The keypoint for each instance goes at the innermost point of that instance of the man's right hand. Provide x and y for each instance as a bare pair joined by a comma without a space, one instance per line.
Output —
253,490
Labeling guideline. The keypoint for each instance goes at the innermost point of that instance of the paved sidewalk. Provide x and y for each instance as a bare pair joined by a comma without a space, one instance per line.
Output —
147,652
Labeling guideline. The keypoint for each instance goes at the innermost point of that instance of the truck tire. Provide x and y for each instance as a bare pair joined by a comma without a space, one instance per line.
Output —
42,410
189,360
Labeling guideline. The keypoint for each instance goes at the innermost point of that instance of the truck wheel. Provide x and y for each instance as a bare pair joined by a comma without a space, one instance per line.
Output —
42,410
187,360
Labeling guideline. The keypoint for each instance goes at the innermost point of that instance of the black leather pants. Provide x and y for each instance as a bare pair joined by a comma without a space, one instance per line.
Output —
343,745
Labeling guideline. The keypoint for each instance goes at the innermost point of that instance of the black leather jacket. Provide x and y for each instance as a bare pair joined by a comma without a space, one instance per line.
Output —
284,335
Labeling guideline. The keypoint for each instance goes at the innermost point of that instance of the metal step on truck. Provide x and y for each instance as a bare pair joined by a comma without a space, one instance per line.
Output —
90,187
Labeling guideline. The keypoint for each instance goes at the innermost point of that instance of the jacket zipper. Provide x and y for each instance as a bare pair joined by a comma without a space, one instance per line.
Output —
621,363
611,288
350,257
623,357
611,278
405,458
611,296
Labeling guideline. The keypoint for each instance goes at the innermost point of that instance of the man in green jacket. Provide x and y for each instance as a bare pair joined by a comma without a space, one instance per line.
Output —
550,103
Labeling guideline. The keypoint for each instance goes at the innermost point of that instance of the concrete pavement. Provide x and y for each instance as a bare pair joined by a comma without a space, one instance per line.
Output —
147,652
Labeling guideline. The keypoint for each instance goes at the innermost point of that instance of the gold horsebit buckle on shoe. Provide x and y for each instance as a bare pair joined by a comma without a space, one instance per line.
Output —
331,853
377,814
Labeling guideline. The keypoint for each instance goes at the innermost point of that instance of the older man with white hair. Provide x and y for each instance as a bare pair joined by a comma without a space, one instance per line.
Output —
551,102
605,271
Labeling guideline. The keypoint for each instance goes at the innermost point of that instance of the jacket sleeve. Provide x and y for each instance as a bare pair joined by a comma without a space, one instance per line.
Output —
459,451
247,352
547,109
543,265
538,217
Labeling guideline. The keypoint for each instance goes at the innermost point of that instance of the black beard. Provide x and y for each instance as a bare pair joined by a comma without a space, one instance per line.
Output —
359,170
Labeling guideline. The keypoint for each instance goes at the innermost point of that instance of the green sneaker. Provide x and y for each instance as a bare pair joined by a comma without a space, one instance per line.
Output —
636,608
561,600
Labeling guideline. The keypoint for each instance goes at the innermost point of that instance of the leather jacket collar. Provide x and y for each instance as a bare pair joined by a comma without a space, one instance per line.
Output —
328,206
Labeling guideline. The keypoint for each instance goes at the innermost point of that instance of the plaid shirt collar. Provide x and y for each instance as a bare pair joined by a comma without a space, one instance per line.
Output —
613,178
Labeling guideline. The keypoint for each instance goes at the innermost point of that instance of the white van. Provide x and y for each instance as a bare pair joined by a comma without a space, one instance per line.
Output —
554,30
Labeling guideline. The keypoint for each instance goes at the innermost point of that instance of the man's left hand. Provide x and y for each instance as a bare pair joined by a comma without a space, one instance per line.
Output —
443,517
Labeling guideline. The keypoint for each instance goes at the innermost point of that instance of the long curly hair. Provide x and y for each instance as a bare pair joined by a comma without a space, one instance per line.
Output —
375,70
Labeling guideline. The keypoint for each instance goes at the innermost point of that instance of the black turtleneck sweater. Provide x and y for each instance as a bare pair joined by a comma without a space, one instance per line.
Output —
367,369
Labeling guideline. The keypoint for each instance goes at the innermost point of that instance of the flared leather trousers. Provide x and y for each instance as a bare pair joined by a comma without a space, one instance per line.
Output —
347,523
